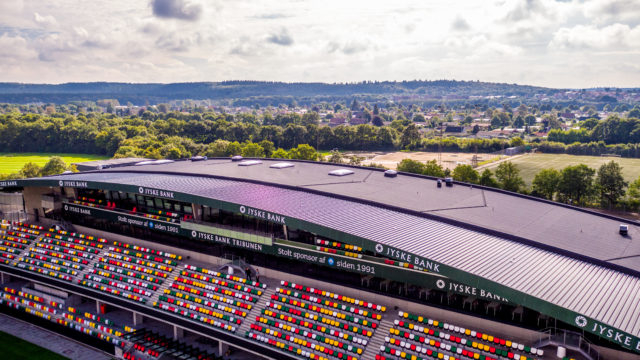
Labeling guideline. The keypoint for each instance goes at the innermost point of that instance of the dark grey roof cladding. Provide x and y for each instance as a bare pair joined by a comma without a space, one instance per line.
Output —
601,293
546,223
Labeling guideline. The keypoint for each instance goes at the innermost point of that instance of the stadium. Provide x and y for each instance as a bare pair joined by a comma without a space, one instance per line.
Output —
278,259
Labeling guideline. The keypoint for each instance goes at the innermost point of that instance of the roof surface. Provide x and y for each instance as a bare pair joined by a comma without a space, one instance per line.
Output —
604,294
543,222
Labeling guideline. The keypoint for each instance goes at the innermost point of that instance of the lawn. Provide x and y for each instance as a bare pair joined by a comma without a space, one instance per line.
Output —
13,162
12,347
531,164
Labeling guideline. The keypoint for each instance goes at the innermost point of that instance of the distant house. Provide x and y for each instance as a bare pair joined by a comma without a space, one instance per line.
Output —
454,129
337,121
358,121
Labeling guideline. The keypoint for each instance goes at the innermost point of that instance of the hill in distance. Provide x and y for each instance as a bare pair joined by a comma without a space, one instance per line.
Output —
229,92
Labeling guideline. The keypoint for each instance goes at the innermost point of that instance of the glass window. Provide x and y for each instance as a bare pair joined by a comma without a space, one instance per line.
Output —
149,202
188,209
176,207
167,205
158,203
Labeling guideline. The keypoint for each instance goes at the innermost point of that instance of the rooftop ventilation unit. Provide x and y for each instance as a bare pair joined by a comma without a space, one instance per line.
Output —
236,158
448,181
624,230
282,165
198,158
340,172
249,162
390,173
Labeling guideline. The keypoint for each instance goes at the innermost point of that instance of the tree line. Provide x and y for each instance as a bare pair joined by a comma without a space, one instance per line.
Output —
575,184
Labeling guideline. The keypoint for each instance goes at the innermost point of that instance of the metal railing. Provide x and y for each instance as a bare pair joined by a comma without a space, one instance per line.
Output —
569,339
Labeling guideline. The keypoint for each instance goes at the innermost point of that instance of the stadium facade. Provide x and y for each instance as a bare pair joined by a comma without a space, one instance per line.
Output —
354,226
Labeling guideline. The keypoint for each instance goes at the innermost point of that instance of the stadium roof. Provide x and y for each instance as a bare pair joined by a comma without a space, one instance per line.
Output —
544,256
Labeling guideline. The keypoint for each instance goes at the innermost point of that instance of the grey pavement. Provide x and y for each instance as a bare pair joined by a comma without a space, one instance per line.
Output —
50,340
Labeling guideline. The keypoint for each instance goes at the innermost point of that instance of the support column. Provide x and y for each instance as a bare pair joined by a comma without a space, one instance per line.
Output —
222,348
178,333
97,307
4,278
137,319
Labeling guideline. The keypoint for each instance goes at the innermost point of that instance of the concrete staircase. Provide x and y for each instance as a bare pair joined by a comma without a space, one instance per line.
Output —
91,264
256,310
377,340
166,283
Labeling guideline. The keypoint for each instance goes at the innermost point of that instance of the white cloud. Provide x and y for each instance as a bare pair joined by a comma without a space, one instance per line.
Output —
612,10
46,21
612,37
527,41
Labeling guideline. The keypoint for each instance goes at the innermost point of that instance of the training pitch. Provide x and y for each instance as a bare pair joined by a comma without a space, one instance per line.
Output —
531,164
13,162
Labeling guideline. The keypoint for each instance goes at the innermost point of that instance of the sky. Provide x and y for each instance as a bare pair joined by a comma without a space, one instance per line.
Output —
561,44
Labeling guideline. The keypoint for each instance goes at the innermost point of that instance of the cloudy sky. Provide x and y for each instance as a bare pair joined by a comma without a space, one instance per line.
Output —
571,43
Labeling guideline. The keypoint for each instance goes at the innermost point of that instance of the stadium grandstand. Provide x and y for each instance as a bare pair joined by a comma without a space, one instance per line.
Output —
278,259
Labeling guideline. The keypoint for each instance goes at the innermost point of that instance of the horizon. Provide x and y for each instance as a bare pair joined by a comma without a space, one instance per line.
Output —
570,44
312,82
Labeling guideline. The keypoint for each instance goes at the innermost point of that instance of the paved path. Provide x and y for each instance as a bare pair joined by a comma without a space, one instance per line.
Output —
49,340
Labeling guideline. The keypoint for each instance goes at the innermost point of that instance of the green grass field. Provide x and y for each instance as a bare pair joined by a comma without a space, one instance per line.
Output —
12,347
13,162
531,164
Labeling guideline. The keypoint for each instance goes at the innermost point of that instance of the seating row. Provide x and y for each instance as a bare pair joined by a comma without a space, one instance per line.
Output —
333,306
109,289
228,277
162,270
319,332
149,251
339,245
486,340
334,296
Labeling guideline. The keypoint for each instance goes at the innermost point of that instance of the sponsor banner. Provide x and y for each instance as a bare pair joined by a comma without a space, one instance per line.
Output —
73,183
407,257
265,215
207,232
118,217
446,284
156,192
607,332
8,183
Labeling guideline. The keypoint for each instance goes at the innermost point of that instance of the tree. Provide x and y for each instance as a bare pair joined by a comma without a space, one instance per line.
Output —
517,141
465,173
409,135
634,113
268,147
419,118
634,193
518,122
303,152
335,157
376,110
217,148
233,149
280,153
432,168
30,170
487,179
546,182
611,183
576,183
54,166
252,150
508,176
377,121
411,166
530,120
